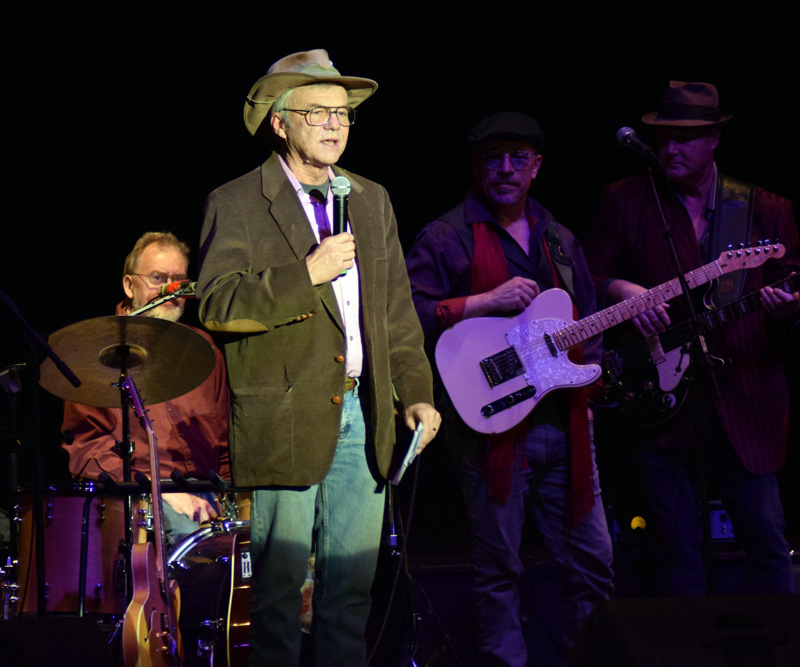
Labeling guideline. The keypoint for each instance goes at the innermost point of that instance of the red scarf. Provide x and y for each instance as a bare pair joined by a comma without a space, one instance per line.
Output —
489,269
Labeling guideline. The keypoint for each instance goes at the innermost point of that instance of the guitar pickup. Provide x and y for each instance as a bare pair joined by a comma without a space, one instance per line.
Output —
502,367
508,401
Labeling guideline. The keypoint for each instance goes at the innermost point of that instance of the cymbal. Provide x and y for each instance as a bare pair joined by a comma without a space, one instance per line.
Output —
165,360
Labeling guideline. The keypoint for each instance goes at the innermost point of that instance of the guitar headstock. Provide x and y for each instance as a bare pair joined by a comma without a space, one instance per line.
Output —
748,258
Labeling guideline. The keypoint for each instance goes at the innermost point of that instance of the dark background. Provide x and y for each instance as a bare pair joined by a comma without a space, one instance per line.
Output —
118,122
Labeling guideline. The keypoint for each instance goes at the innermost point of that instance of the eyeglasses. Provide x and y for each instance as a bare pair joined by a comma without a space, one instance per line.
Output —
494,161
157,279
317,116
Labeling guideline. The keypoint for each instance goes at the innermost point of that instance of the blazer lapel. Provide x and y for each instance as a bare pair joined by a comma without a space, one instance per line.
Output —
291,220
358,213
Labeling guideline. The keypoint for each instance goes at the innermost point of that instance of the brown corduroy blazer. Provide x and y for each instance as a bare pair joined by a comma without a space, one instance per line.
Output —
283,338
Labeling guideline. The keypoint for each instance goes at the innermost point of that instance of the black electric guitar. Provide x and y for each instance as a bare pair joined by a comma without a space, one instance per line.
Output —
648,378
150,635
497,369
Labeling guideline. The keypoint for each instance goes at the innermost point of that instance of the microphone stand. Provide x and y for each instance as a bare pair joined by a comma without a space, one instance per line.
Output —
188,291
699,355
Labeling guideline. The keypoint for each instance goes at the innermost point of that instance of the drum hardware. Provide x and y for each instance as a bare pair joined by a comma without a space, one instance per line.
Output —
145,515
10,587
212,567
11,384
103,364
103,351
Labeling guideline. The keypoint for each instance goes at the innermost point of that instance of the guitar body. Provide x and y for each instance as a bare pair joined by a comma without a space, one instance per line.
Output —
150,634
147,639
648,377
461,349
642,391
239,602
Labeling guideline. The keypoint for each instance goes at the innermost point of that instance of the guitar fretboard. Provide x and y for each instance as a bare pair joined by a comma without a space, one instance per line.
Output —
733,260
729,313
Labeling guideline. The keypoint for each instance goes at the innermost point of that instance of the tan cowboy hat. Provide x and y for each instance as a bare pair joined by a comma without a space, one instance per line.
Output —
688,105
293,71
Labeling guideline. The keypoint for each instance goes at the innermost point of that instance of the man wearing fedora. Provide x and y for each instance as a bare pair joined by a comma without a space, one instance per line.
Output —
745,428
492,255
322,346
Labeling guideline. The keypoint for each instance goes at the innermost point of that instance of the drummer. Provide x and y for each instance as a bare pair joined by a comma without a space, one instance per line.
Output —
191,430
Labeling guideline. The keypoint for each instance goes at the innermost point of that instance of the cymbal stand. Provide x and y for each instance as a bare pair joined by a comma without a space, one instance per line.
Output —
10,383
37,345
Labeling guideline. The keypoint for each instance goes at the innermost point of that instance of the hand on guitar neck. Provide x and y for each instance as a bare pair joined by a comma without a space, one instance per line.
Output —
650,322
781,305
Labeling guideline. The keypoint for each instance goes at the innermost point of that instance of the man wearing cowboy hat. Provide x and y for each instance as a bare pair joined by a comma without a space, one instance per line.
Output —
745,429
492,255
322,345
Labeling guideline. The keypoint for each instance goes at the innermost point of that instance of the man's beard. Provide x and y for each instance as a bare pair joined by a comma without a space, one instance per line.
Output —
170,311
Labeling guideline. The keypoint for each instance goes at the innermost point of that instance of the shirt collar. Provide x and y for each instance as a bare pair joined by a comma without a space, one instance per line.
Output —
293,179
711,204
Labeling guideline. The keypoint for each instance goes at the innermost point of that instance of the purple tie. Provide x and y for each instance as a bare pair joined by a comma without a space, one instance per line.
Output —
321,215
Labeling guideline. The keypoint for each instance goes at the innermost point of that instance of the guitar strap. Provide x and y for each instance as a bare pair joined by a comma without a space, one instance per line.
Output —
733,219
581,454
562,267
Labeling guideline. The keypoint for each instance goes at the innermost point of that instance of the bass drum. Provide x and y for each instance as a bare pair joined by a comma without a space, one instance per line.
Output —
212,567
63,518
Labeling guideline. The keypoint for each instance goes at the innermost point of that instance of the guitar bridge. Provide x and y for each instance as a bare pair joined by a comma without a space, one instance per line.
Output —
507,401
502,367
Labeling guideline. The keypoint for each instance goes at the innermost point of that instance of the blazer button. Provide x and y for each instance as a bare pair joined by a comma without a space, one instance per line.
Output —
336,399
340,358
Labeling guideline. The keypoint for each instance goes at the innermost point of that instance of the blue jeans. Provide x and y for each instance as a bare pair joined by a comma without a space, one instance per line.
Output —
584,551
752,502
343,517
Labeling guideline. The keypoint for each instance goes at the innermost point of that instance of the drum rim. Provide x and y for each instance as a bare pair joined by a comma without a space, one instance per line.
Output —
213,529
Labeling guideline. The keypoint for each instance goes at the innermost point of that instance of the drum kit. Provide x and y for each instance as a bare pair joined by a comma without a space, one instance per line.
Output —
77,555
73,557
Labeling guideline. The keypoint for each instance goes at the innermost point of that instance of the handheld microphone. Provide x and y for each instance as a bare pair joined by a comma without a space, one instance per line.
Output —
182,288
627,137
341,189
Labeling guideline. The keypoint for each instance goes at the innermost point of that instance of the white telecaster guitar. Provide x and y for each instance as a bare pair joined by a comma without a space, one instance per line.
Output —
497,369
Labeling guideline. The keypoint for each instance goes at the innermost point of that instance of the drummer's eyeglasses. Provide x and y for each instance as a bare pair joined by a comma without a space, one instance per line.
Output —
317,116
157,279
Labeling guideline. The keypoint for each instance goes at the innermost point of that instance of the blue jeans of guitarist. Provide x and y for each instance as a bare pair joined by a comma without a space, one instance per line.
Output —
540,486
344,514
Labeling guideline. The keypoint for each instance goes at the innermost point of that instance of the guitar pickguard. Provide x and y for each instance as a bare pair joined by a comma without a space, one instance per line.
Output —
463,352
